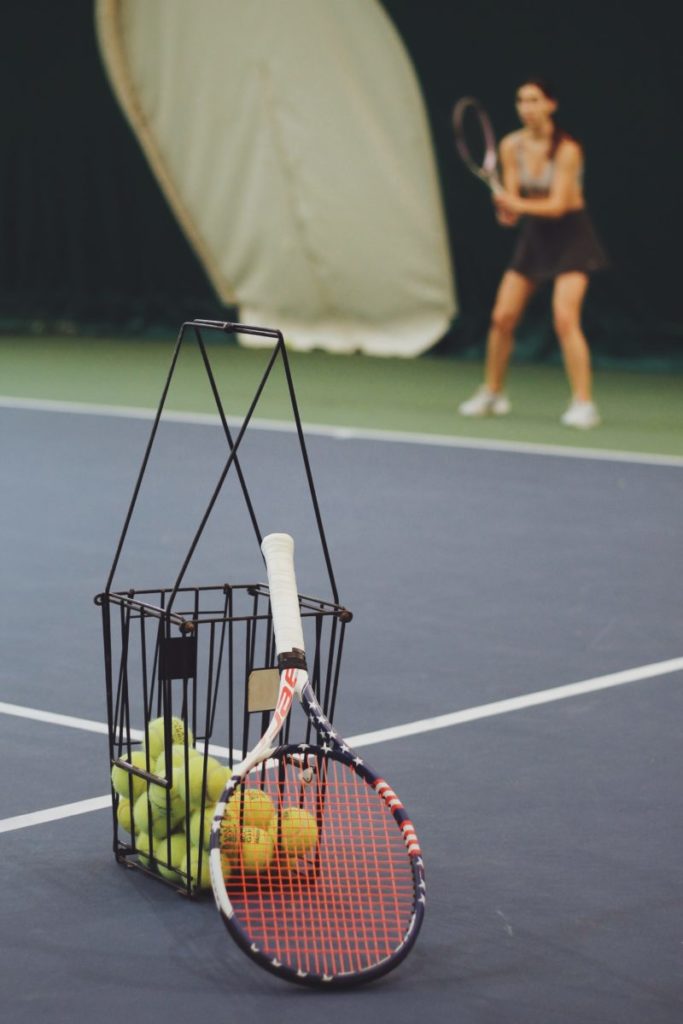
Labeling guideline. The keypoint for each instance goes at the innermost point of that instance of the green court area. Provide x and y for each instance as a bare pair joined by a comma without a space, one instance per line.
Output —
642,412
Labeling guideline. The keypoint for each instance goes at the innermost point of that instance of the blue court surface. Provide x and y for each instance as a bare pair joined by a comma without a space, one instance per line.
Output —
485,585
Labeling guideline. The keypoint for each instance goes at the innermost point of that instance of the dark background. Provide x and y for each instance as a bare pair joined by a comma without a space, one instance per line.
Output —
87,242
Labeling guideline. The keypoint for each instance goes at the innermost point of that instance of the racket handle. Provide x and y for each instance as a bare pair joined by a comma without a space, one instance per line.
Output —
278,551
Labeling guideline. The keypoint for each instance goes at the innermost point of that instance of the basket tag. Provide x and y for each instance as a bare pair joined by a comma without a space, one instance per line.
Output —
178,657
264,684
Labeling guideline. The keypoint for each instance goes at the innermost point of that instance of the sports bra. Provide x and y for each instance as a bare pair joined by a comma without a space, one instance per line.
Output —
539,185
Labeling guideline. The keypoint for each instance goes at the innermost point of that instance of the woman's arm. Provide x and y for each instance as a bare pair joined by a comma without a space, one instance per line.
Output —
562,196
508,165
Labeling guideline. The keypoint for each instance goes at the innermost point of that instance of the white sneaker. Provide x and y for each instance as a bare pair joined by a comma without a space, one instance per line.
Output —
583,415
485,403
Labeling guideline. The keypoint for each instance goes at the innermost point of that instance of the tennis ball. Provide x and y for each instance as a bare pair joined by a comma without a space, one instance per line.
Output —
298,831
201,834
155,732
177,758
193,794
217,778
200,880
122,780
123,815
258,808
152,818
178,850
144,845
157,794
230,837
256,848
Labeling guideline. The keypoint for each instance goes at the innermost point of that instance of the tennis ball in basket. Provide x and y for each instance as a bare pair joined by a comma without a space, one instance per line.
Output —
193,794
144,845
257,849
178,850
152,818
123,815
156,735
217,778
298,831
200,835
203,880
122,780
194,766
258,808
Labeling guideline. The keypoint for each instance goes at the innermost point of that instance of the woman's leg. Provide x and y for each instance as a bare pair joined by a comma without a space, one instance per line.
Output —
513,295
568,295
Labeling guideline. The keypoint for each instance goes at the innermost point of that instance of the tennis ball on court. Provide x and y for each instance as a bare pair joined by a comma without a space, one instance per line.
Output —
257,849
152,818
258,808
298,831
123,815
217,778
201,880
123,780
155,743
176,846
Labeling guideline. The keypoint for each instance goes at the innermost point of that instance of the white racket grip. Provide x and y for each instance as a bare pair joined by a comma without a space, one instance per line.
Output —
278,551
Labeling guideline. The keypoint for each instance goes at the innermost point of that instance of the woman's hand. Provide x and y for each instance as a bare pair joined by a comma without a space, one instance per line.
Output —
506,214
507,204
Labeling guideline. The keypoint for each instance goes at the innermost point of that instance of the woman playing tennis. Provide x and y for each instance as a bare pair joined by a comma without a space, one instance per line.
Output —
542,170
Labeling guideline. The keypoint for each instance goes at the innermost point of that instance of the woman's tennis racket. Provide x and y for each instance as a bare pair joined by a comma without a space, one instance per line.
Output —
315,865
476,141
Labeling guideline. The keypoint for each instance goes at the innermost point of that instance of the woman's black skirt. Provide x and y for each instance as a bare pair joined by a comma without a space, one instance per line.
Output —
548,246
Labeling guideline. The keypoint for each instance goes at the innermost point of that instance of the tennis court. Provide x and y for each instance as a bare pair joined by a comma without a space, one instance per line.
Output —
514,663
485,583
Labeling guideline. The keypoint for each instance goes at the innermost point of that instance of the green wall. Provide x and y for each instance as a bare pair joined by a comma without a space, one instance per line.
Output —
87,242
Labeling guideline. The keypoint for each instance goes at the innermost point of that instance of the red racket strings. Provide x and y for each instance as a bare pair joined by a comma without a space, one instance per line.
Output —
325,884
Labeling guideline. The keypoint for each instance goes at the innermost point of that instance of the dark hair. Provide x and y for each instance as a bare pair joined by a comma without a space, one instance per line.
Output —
548,90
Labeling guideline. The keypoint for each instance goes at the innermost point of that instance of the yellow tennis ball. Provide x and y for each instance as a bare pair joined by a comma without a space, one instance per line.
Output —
157,794
258,808
152,818
177,846
194,792
200,879
298,831
123,780
229,832
177,758
217,778
144,845
200,834
155,732
256,849
123,815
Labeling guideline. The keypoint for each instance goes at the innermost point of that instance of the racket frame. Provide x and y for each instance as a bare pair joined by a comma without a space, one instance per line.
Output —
487,171
294,681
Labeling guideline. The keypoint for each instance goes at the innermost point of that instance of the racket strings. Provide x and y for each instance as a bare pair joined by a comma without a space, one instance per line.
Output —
331,889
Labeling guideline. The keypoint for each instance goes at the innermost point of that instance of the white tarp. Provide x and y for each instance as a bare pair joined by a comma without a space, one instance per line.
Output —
290,139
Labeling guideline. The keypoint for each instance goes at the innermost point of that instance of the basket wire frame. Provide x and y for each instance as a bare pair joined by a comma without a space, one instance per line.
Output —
190,652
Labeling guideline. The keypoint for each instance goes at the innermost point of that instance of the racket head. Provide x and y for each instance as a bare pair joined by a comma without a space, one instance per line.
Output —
476,142
341,898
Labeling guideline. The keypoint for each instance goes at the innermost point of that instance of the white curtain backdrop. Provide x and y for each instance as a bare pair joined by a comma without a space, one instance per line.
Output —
290,139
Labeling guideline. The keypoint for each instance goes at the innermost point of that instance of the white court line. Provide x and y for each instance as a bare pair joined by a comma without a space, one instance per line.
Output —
344,433
499,707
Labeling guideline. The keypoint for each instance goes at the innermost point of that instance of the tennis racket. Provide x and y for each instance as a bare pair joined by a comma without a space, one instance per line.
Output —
476,141
315,866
